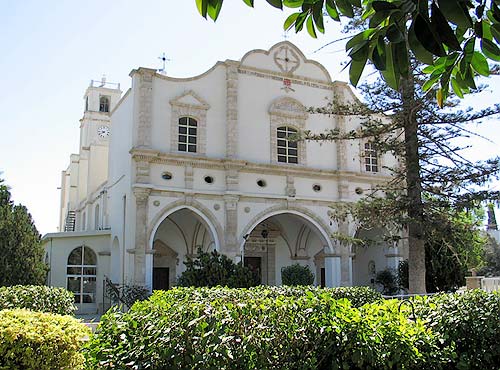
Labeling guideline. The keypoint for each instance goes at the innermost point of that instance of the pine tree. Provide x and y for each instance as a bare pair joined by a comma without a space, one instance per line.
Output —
21,254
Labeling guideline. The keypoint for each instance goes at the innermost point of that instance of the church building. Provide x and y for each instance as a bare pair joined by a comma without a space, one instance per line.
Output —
177,164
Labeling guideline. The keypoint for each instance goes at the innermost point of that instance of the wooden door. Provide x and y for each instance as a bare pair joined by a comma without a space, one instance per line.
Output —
254,264
161,278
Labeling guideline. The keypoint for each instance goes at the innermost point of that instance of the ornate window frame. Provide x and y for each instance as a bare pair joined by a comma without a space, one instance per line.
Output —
363,157
287,112
189,104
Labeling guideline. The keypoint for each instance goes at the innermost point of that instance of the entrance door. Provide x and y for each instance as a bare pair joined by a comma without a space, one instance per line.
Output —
323,278
254,264
161,278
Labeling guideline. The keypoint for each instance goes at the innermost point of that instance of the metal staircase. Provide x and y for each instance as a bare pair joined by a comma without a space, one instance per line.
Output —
69,225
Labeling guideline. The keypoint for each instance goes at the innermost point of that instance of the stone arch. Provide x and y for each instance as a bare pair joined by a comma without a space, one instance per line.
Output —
304,213
206,217
287,106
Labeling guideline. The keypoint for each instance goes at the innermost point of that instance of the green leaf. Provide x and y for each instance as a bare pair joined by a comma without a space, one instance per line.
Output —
440,97
293,3
331,9
495,32
310,27
355,70
379,17
379,54
318,16
290,21
299,23
356,3
430,82
394,35
490,49
427,37
390,74
416,47
455,12
456,88
345,8
400,56
443,29
360,37
383,5
202,7
480,64
360,51
276,3
213,9
248,2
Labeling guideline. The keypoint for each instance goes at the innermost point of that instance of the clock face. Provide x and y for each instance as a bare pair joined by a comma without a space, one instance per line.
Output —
103,131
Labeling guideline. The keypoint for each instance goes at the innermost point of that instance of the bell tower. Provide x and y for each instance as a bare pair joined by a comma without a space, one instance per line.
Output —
99,100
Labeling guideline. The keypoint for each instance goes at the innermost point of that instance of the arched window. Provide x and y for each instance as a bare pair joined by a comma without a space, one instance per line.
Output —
104,103
287,150
82,274
97,226
371,158
188,131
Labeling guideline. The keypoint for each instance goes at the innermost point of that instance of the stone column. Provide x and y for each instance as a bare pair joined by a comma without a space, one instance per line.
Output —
393,257
141,242
144,109
332,270
231,109
231,247
345,257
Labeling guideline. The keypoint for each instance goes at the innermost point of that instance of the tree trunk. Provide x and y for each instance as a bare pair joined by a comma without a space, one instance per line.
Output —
416,260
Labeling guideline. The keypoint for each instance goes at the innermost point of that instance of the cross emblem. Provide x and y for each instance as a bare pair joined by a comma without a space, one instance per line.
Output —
286,59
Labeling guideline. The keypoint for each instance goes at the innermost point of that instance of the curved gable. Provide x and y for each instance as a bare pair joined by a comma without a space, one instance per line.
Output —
285,58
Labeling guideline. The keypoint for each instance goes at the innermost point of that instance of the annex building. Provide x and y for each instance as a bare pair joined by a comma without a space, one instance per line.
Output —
177,164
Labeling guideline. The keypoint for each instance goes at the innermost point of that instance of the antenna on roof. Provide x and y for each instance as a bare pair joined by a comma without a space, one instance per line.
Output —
164,61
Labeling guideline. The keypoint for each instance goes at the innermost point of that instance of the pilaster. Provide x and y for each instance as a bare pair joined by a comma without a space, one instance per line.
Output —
145,106
232,109
188,177
231,225
141,242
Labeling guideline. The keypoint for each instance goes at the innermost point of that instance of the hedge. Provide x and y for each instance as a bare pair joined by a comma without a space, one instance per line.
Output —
469,322
37,298
40,341
263,328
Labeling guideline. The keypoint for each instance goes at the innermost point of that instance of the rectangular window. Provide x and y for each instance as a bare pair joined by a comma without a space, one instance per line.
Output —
188,130
287,150
371,158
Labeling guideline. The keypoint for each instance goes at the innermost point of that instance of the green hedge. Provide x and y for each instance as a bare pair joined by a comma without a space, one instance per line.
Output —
40,341
37,298
263,328
469,322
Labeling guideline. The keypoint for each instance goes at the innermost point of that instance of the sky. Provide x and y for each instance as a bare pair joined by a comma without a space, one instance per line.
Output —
51,50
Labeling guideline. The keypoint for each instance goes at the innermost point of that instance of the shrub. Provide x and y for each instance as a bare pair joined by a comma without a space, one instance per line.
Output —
297,275
38,298
468,322
213,269
388,280
40,341
220,328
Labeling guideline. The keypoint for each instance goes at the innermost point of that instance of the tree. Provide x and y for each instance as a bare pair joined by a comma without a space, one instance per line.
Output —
21,254
297,275
440,33
213,269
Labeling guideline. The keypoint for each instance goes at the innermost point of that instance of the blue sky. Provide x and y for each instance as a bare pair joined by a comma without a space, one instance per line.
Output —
50,50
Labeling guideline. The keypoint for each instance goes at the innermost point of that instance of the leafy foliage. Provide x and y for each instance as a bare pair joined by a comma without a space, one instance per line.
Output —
38,298
453,37
388,279
262,328
468,322
40,341
21,254
297,275
213,269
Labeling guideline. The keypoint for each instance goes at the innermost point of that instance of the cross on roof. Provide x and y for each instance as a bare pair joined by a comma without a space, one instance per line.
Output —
164,60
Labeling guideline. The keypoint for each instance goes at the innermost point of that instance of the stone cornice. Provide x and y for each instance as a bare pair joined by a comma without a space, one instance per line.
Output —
153,156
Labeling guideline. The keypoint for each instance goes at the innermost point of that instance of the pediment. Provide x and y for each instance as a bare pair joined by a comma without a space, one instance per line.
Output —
190,99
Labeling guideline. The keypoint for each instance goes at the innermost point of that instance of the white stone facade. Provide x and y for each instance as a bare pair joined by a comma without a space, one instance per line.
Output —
159,203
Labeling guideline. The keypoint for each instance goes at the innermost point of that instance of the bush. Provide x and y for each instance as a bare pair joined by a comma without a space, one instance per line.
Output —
220,328
40,341
388,280
38,298
297,275
468,322
214,269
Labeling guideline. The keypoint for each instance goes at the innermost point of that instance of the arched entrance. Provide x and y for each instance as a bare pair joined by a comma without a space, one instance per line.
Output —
283,238
178,235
